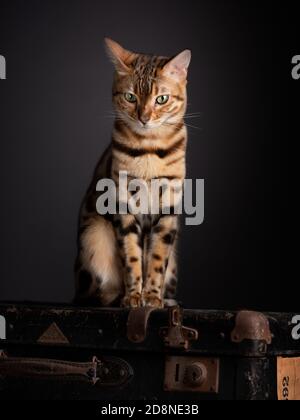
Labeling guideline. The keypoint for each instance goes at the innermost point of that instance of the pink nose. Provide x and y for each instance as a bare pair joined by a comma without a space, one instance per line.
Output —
144,119
144,115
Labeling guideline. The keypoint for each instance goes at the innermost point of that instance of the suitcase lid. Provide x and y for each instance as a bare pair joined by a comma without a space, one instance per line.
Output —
213,333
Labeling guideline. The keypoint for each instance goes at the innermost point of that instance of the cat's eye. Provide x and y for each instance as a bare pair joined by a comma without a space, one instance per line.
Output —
163,99
130,97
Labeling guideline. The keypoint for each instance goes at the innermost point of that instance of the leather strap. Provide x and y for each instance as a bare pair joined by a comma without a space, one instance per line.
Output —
49,369
111,372
137,324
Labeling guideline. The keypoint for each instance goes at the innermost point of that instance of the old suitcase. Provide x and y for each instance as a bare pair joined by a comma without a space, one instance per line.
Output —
63,352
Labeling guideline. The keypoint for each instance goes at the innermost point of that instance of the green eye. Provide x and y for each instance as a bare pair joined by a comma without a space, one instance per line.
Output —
163,99
130,97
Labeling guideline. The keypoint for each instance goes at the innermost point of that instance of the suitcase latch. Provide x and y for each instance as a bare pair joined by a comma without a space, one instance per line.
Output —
176,335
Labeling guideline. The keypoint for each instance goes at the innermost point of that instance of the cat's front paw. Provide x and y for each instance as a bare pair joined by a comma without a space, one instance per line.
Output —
132,301
152,300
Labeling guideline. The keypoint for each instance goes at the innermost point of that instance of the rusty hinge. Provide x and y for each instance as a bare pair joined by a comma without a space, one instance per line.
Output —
250,325
176,335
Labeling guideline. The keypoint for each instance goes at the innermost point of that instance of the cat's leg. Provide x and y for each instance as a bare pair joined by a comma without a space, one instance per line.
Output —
130,239
162,245
99,276
171,279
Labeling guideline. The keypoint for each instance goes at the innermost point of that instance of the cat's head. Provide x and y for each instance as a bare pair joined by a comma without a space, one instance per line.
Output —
149,91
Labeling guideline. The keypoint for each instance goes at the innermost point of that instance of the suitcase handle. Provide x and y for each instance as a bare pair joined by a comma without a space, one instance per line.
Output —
49,369
109,372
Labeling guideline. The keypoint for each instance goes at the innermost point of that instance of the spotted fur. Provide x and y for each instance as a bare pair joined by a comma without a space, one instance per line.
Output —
127,259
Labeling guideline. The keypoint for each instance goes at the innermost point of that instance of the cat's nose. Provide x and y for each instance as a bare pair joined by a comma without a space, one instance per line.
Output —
144,115
144,119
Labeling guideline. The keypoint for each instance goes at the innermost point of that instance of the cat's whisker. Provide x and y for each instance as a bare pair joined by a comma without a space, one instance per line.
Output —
194,127
196,114
192,116
171,124
178,125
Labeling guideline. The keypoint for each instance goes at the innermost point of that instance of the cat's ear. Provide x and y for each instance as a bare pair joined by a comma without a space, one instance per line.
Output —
120,57
177,67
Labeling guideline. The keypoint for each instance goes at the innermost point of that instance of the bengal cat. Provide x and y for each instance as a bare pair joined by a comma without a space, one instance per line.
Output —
130,259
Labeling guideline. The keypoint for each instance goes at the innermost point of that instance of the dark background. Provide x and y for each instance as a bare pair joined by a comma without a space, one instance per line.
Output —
54,126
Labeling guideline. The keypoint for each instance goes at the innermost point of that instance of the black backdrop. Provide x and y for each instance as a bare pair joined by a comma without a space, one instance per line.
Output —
54,126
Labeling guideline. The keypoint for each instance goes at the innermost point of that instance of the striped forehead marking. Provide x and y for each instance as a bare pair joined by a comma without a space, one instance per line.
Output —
145,73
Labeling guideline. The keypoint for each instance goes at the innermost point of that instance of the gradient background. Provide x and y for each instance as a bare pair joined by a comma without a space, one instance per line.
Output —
54,126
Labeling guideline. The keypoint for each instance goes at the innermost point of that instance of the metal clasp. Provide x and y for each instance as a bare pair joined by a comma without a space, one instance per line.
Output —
176,335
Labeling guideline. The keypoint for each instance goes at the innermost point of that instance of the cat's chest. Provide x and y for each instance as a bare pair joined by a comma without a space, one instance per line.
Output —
146,167
147,160
150,166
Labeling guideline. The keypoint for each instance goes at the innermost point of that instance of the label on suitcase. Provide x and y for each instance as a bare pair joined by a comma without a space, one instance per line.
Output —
288,378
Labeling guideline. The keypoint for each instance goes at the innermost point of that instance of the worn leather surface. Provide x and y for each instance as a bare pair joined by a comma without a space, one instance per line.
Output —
109,372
